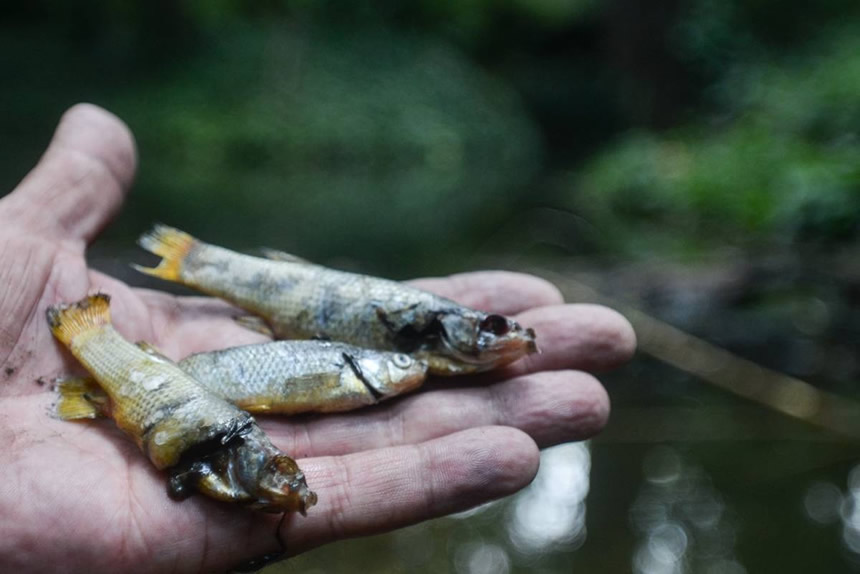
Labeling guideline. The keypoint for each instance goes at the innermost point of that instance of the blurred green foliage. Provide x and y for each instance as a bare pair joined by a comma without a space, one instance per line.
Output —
775,163
400,135
405,137
331,145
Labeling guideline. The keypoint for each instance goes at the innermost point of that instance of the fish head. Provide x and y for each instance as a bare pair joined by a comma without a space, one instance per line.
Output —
248,470
280,486
392,373
472,341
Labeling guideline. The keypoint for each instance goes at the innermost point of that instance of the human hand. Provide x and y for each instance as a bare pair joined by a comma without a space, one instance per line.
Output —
81,497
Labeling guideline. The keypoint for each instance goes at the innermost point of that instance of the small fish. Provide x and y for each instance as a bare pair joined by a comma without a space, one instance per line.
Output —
207,443
301,300
288,377
280,377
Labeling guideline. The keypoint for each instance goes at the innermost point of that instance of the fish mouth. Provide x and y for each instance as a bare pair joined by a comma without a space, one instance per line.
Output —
301,498
414,379
501,350
531,345
280,487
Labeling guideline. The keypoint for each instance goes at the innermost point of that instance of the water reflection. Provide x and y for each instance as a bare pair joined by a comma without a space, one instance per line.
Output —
550,513
680,520
482,558
545,517
824,503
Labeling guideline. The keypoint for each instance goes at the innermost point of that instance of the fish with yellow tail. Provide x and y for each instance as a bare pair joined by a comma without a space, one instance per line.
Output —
278,377
300,300
207,444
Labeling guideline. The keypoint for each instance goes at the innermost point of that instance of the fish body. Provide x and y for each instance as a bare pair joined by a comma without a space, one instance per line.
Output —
301,300
279,377
173,420
289,377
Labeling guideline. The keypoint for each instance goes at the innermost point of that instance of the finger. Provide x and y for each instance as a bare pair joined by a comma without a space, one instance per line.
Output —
87,498
574,336
551,407
502,292
359,494
81,180
384,489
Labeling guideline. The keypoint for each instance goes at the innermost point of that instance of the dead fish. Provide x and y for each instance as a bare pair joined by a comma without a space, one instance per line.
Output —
301,300
207,444
282,377
287,377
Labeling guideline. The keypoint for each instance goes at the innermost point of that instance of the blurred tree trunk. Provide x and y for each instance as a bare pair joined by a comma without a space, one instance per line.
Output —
656,88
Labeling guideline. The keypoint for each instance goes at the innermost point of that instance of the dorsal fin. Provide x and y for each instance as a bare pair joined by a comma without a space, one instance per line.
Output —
81,398
153,351
276,255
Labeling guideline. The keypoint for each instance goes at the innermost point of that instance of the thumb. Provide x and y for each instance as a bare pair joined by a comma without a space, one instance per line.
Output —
81,180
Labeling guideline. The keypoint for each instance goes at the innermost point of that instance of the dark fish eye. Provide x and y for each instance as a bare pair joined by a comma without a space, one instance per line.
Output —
495,324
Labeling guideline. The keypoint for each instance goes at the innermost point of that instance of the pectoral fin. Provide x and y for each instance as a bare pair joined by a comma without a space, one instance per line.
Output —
255,323
407,320
81,398
397,319
153,351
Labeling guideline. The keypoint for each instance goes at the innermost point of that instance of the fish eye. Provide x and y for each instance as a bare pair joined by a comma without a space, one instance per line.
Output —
402,361
495,324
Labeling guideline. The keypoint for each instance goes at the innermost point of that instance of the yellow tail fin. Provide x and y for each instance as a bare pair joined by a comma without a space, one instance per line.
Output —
69,320
80,398
172,245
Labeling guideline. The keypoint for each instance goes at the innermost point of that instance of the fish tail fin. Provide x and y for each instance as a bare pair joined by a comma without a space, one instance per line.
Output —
172,245
70,320
254,323
80,398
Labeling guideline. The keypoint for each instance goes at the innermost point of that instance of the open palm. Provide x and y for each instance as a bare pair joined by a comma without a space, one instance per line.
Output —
81,497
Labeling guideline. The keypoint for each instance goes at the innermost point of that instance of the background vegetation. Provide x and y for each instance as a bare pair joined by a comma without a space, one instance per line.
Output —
696,159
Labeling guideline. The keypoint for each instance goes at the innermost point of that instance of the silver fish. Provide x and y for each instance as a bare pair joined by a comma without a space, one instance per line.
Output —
301,300
284,377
